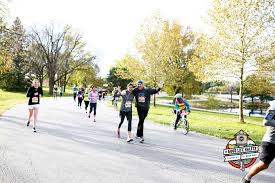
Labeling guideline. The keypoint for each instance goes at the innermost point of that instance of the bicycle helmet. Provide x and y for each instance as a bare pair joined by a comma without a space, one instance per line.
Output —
178,95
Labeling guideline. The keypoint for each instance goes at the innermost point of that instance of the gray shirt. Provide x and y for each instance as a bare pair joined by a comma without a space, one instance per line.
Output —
269,121
127,100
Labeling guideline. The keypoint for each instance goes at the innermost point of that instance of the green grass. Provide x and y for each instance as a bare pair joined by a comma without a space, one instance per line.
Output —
9,99
210,123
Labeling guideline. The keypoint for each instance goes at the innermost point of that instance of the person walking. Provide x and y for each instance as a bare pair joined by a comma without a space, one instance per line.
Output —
267,154
75,92
126,110
93,96
60,91
34,94
142,96
86,99
55,92
80,97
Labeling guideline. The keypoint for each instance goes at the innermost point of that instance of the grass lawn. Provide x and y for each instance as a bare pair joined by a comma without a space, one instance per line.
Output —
214,124
9,99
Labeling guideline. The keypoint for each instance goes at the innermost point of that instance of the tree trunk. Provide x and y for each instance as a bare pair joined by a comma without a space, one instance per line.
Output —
241,117
51,82
155,95
65,83
231,96
41,81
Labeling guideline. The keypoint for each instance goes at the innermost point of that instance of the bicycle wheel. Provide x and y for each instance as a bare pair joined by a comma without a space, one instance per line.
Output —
185,126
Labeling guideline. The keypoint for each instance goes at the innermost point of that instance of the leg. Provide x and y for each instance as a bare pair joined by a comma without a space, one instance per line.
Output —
30,114
142,115
80,103
129,119
91,109
177,120
94,111
35,116
267,155
260,166
122,117
86,105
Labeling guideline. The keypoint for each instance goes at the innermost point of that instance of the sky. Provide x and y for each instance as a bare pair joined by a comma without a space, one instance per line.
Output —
108,26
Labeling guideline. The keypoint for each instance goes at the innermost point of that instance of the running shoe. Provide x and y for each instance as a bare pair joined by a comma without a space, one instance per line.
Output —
129,139
34,130
89,116
94,120
141,140
28,124
118,133
245,181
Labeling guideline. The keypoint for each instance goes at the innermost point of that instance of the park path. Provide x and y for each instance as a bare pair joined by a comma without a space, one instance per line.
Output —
71,148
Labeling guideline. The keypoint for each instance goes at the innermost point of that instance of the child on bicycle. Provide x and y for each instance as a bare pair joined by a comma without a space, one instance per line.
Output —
181,105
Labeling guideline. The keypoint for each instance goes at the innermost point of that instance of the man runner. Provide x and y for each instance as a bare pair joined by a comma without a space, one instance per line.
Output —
142,96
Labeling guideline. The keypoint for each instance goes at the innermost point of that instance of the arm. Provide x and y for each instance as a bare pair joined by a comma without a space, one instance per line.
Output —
153,91
269,119
29,92
187,105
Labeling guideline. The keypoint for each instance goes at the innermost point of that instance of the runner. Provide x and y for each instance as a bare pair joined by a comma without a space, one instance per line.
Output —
34,93
126,109
75,92
93,96
99,94
267,154
114,92
55,92
60,91
142,96
86,99
80,96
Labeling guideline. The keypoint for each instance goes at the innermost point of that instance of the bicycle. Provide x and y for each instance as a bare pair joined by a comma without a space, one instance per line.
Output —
182,123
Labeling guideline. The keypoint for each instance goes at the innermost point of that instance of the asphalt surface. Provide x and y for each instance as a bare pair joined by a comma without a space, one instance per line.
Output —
71,148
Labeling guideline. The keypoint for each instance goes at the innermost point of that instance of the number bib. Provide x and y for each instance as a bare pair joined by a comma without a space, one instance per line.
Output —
128,104
141,99
34,99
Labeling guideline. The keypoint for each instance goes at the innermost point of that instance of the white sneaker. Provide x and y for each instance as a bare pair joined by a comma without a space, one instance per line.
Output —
129,139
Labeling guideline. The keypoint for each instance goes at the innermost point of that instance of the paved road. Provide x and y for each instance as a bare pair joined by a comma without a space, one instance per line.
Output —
70,148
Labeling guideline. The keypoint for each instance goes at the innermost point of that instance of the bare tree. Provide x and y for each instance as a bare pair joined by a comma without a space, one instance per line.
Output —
62,52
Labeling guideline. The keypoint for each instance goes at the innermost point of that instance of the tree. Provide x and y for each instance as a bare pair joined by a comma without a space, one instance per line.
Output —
5,56
114,79
257,85
178,51
63,52
85,75
151,48
130,68
243,32
15,78
36,62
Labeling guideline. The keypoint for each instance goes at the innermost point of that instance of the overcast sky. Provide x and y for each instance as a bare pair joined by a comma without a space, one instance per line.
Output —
108,26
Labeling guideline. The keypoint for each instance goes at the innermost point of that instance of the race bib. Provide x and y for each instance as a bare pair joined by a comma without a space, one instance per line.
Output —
141,99
34,99
128,104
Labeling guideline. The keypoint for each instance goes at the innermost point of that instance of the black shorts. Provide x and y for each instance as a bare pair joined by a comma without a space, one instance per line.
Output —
267,153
